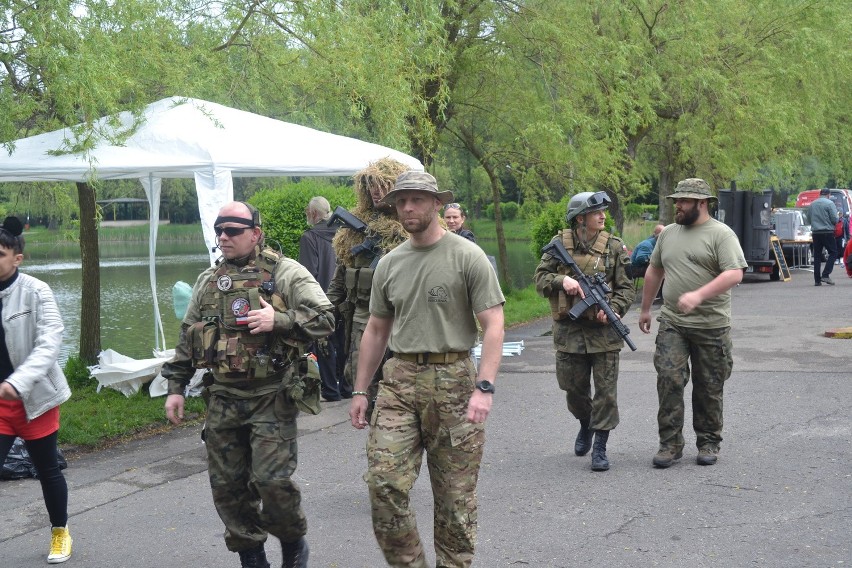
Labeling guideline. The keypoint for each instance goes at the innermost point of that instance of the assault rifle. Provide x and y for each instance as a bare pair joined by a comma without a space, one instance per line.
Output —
346,219
595,289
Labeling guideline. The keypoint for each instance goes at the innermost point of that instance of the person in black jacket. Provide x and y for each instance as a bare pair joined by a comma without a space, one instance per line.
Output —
454,217
317,255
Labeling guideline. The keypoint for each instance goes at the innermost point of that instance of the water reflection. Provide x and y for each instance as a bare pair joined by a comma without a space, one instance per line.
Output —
127,324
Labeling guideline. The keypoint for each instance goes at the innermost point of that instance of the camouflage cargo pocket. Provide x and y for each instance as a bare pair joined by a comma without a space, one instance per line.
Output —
464,433
285,413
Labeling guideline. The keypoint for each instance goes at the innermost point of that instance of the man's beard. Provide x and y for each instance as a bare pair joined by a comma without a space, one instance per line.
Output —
684,217
423,223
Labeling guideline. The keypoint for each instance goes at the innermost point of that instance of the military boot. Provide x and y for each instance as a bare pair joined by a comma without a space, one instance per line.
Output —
254,558
583,443
294,554
599,461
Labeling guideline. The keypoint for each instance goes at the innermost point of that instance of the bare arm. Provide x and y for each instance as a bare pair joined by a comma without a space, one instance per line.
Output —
653,279
491,321
719,285
373,345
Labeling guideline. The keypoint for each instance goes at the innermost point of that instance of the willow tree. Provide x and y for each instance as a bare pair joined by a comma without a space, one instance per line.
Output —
66,64
712,89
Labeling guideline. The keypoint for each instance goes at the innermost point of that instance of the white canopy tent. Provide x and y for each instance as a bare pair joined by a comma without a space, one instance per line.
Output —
189,138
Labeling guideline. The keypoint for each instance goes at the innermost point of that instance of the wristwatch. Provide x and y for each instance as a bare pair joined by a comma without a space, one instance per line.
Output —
485,386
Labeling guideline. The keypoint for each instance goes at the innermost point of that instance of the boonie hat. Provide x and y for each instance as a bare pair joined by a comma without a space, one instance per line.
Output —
416,181
692,188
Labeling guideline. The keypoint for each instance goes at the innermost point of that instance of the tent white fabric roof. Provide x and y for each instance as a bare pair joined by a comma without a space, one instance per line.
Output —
189,138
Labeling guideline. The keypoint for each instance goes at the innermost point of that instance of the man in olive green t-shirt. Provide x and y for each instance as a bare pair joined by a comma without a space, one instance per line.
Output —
701,260
423,300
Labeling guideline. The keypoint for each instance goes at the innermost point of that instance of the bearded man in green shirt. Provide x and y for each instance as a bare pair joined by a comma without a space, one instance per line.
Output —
701,260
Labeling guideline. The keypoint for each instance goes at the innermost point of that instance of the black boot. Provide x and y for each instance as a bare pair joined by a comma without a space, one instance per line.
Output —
294,554
583,443
599,461
254,558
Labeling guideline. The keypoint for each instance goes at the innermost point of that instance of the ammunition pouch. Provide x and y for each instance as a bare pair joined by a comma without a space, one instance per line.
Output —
303,385
359,282
202,338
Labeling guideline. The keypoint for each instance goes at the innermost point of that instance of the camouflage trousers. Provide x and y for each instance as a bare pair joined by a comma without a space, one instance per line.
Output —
709,351
424,407
351,368
574,373
251,452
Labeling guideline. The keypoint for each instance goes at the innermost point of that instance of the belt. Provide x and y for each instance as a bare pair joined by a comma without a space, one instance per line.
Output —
433,358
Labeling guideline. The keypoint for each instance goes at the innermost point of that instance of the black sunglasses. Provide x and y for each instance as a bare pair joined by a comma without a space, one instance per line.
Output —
230,231
452,206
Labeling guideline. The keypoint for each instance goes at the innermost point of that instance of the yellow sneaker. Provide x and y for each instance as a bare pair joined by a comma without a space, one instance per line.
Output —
60,545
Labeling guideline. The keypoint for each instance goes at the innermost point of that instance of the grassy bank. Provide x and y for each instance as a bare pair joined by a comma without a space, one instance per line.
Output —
137,233
93,419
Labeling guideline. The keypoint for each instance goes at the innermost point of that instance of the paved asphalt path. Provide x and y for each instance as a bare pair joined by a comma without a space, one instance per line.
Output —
780,495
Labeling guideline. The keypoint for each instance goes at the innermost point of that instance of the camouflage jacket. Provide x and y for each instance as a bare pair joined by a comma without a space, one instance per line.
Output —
586,335
303,314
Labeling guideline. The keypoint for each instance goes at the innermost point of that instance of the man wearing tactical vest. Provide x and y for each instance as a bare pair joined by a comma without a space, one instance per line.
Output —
588,346
248,322
353,279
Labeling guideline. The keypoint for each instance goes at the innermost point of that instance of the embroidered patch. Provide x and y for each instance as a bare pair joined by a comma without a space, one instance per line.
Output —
240,308
224,283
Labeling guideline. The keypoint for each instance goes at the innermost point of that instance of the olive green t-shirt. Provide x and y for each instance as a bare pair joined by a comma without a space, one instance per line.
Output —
433,293
692,256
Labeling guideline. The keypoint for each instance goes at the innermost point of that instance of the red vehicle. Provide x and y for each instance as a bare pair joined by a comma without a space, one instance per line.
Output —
842,198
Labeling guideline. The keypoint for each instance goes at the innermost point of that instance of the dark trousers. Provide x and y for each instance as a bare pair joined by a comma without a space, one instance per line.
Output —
828,242
45,458
334,385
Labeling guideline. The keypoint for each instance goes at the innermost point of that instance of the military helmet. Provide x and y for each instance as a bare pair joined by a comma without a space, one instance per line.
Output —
586,202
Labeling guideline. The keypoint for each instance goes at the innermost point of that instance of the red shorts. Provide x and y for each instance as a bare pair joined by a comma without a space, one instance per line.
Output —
13,421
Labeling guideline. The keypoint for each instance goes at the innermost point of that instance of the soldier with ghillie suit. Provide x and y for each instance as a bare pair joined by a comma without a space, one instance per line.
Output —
349,290
588,345
249,320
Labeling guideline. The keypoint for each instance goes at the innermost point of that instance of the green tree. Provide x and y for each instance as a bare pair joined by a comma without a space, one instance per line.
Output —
64,64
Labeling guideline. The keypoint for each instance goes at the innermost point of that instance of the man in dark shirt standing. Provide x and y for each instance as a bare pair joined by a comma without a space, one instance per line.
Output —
317,255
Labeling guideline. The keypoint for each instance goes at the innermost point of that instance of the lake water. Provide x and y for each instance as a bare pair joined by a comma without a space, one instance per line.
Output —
127,314
127,324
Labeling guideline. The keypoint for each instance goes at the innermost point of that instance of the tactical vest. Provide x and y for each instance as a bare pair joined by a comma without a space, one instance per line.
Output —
597,259
359,282
222,340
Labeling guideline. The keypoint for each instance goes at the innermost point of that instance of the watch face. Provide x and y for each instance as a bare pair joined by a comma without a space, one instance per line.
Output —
485,386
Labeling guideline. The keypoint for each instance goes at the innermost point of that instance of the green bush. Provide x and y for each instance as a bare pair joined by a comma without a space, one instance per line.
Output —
283,209
551,220
531,209
509,210
632,211
489,211
77,372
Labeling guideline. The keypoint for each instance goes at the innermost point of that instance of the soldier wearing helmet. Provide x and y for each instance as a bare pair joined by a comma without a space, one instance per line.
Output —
587,347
